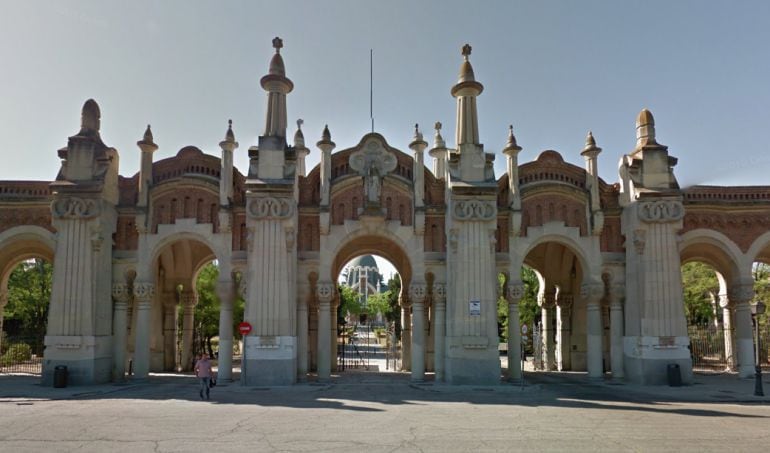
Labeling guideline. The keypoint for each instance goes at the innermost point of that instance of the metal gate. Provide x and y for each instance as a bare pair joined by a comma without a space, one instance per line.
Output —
20,354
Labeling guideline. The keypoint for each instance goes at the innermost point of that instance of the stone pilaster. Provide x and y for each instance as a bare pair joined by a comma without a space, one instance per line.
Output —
3,303
144,294
325,293
514,293
406,334
226,293
439,334
170,329
417,294
740,297
302,332
547,304
418,145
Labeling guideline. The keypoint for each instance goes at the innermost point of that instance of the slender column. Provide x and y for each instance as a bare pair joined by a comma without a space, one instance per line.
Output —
3,303
120,296
439,302
546,312
406,336
333,312
563,314
144,293
727,326
302,334
170,330
417,292
740,296
515,292
226,294
617,331
593,294
189,299
325,295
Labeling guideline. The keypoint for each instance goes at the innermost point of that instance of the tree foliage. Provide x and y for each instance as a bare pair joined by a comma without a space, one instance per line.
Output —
700,286
528,308
208,308
29,295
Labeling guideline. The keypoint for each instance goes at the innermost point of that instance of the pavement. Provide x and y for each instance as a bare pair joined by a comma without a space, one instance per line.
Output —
376,411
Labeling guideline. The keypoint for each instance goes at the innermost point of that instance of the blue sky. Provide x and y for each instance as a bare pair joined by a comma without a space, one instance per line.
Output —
554,69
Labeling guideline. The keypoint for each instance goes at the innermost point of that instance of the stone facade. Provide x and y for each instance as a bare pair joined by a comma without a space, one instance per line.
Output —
126,250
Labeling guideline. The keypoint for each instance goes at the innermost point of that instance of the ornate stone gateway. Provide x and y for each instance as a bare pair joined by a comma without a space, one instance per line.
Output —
126,249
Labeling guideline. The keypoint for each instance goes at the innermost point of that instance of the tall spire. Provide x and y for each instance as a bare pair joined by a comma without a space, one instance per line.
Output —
277,86
465,91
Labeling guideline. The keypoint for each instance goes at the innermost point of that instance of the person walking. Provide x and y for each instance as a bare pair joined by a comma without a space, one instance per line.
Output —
204,373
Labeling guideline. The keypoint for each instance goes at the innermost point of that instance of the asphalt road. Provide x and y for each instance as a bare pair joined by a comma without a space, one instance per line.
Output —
373,415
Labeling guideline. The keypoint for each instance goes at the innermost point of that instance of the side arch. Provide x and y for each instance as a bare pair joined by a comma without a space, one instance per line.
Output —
713,248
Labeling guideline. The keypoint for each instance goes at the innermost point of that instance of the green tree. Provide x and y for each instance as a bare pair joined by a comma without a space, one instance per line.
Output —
528,307
208,308
350,303
394,314
761,274
29,295
699,284
379,303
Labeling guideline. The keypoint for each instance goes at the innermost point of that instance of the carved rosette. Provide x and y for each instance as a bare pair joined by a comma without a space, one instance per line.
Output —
189,299
478,210
75,208
417,292
144,292
264,208
325,292
515,291
740,294
661,211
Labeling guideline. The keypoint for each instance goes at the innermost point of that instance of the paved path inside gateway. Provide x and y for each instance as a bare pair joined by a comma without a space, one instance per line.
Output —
384,412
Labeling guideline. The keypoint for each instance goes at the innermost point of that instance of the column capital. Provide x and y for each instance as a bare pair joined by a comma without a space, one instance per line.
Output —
120,294
439,293
417,292
225,291
740,293
593,292
144,291
565,300
547,300
325,292
514,292
188,298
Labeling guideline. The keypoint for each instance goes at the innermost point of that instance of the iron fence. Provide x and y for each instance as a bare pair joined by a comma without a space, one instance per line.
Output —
21,354
709,350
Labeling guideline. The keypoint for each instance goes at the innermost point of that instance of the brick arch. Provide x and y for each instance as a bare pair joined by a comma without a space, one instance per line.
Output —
387,247
714,249
177,202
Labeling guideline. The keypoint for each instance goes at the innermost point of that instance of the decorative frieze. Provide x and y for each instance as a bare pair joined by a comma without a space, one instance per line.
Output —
75,208
270,208
325,292
661,211
417,292
515,292
144,292
120,293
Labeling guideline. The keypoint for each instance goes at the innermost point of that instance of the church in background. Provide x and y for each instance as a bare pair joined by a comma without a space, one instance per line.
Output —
363,276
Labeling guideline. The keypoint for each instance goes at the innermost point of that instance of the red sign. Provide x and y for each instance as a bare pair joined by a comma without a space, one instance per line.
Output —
244,328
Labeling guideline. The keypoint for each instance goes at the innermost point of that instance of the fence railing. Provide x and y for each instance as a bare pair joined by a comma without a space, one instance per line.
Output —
21,355
709,351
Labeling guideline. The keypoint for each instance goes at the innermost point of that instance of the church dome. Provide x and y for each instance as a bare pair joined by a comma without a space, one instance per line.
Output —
364,261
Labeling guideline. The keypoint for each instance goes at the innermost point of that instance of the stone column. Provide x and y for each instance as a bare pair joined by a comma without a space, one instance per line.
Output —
547,304
563,331
333,312
592,293
226,294
740,296
417,293
325,292
144,293
3,303
406,336
302,333
727,326
439,302
514,293
170,330
120,296
189,299
616,331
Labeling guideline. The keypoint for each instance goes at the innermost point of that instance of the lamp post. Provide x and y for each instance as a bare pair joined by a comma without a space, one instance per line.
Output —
756,310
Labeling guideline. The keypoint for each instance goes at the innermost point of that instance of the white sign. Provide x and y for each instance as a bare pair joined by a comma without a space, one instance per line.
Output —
524,329
474,308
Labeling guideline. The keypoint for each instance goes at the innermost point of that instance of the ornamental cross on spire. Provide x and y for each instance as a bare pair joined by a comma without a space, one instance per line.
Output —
278,44
467,51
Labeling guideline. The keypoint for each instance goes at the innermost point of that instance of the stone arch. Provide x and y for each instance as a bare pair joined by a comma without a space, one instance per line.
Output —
24,242
759,250
382,244
714,249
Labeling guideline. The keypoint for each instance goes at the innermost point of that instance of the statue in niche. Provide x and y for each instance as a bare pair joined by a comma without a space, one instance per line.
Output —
373,161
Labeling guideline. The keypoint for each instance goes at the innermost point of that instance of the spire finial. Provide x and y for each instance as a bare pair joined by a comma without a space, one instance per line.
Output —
438,140
230,124
466,51
300,122
590,141
511,143
326,135
277,44
148,134
437,126
590,149
417,133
